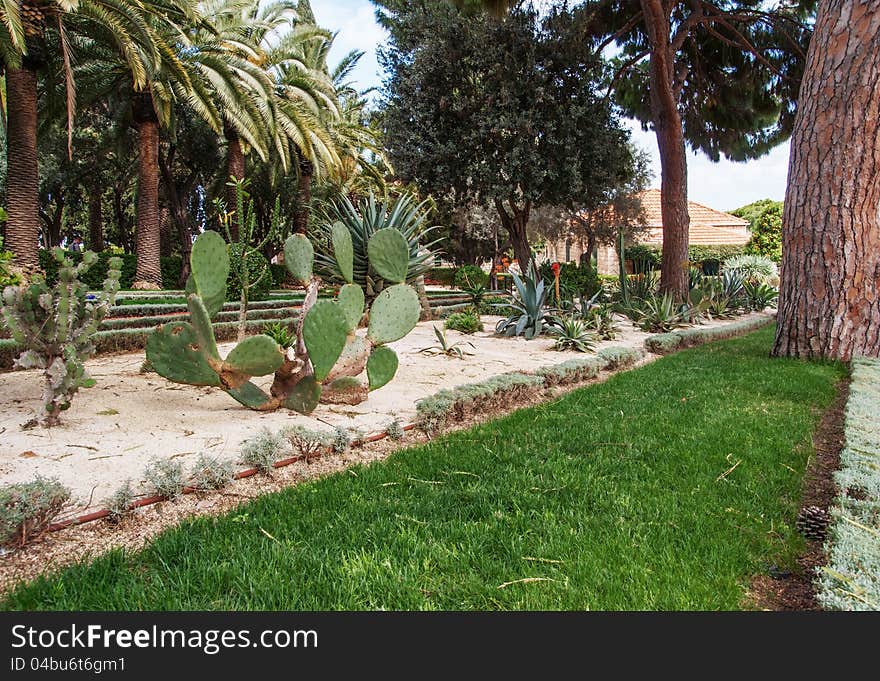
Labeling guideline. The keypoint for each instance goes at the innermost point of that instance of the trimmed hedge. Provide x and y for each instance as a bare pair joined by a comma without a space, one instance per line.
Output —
646,257
225,316
664,343
851,580
442,276
155,310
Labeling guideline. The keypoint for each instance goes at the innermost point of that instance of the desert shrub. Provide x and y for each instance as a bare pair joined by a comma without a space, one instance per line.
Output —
28,508
752,268
260,277
851,580
165,477
470,275
262,450
309,443
573,333
395,430
574,370
211,472
466,322
341,440
119,503
619,357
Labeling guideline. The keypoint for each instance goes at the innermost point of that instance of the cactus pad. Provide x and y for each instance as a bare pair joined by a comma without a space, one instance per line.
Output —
381,367
351,300
210,264
299,256
343,250
304,396
389,254
201,322
352,360
173,351
393,314
324,333
256,356
249,395
213,304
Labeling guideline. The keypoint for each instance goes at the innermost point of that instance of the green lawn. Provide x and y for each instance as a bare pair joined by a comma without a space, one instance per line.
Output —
666,487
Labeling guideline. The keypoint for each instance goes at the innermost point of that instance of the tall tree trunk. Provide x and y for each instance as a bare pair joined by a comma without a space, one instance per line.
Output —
53,222
165,232
829,299
306,171
96,218
234,169
149,272
22,179
670,143
516,223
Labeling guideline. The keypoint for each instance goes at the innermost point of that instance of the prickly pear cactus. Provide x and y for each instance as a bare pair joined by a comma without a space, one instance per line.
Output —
56,325
325,362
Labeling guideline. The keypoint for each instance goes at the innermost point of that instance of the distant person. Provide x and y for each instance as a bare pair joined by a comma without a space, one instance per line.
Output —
77,245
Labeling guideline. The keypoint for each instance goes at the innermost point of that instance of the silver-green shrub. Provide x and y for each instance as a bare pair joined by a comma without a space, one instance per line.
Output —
27,508
165,477
211,472
119,503
262,450
851,580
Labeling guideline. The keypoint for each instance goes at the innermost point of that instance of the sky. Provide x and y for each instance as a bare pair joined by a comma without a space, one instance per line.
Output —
724,185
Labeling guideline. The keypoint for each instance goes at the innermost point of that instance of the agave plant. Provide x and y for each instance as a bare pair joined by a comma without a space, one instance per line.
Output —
759,295
600,320
572,333
404,215
732,285
530,315
659,314
444,347
752,268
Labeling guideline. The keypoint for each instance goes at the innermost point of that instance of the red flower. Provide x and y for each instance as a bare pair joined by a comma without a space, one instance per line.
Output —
555,268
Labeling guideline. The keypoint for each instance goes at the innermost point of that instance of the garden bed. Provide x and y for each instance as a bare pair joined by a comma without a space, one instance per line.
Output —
586,503
114,430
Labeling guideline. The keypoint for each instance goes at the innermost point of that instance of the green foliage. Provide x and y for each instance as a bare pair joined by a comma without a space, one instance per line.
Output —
765,224
28,508
529,315
262,450
468,276
362,222
444,276
752,268
665,343
258,273
760,296
625,463
658,314
575,281
56,324
573,333
620,357
395,430
281,333
381,367
645,257
851,580
7,278
444,347
165,477
600,320
465,322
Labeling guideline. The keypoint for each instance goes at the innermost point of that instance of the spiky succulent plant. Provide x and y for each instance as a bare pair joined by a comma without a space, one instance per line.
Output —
328,356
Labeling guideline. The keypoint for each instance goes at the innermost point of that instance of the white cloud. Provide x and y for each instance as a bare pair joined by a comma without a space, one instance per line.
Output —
724,185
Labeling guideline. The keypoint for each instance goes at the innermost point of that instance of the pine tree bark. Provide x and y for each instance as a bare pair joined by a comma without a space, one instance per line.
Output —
96,218
673,158
149,272
22,179
829,299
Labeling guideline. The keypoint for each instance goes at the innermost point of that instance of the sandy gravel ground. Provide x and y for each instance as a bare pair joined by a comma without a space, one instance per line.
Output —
128,419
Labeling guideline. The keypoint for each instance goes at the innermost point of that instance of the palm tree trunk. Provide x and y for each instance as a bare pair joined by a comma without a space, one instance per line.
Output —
96,218
149,271
234,170
22,179
306,171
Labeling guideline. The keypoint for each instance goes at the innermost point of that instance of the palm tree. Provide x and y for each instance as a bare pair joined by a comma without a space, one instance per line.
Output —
29,30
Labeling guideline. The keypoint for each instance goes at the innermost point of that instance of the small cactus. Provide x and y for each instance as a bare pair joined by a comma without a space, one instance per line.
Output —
56,324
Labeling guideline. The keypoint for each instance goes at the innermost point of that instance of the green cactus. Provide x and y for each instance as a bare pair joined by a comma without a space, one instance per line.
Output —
394,313
351,300
56,324
327,356
299,257
381,366
389,254
209,261
343,250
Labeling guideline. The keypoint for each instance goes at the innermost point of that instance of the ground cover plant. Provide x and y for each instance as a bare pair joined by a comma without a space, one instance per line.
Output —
586,502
